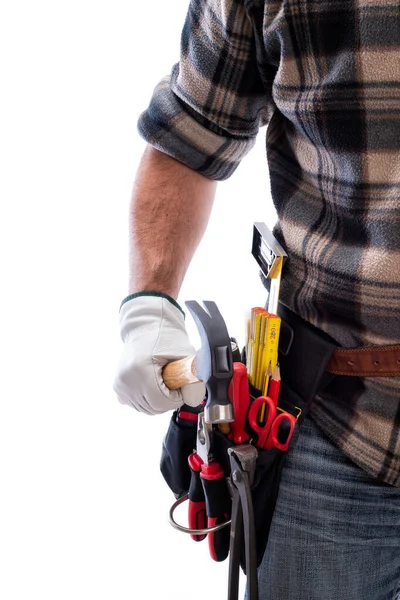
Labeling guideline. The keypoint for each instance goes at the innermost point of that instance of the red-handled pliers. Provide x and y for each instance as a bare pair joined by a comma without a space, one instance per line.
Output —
197,516
215,495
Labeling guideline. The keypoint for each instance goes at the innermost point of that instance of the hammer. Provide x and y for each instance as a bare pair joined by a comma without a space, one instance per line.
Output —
212,364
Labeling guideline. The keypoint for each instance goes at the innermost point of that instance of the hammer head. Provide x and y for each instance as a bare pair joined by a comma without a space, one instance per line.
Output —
214,363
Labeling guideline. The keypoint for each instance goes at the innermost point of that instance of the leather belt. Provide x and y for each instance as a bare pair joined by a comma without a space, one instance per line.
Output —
367,361
303,344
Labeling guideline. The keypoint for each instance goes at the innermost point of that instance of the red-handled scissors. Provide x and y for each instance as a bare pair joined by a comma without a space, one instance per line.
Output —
274,431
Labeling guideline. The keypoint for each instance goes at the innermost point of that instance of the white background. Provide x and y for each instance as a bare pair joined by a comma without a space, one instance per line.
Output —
83,506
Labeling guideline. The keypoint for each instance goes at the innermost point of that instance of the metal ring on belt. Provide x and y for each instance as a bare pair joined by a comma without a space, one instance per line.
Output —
187,529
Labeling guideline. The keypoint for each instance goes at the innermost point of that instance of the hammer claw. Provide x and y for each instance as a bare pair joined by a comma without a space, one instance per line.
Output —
214,361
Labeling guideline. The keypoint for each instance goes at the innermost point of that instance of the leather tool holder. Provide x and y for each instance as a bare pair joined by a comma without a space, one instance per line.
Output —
304,353
265,486
178,443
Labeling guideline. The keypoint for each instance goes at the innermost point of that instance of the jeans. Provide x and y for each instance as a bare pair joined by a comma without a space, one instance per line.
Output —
335,533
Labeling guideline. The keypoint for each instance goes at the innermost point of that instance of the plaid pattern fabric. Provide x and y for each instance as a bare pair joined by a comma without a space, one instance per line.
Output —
325,77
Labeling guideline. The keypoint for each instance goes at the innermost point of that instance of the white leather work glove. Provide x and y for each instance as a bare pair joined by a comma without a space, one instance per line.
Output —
154,334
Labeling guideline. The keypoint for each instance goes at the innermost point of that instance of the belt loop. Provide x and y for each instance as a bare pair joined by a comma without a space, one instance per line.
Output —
303,357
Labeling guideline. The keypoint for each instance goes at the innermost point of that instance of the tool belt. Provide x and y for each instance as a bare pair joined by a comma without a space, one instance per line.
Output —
309,360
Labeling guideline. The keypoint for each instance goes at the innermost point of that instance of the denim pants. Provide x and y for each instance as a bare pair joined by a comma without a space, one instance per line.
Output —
336,531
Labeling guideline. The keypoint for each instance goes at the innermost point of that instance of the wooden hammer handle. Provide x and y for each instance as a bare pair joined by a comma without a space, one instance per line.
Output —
180,372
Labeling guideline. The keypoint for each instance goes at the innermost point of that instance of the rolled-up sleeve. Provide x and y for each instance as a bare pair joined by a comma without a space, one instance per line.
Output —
207,113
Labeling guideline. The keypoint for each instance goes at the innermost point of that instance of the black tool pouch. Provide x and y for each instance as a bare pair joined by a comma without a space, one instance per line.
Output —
304,353
178,443
264,490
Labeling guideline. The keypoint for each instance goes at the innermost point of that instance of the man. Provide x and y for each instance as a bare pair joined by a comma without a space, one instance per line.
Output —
325,77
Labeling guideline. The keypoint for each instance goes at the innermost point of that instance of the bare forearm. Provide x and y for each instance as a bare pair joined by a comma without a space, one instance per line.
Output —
170,208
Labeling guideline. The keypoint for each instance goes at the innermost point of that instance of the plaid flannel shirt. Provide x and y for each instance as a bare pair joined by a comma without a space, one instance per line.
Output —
325,77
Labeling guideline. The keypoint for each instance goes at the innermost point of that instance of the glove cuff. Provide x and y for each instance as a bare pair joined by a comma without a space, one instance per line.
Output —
156,294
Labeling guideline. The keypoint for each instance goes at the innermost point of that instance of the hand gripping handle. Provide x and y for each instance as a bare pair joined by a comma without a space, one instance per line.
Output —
180,372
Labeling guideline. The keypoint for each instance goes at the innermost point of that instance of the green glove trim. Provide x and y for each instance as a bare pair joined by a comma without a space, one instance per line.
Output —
157,294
